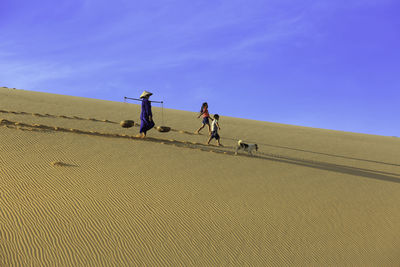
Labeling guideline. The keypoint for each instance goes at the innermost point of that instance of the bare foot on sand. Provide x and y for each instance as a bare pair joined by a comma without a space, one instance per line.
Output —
141,135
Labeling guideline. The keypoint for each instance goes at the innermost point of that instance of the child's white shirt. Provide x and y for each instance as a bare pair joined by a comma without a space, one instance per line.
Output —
214,126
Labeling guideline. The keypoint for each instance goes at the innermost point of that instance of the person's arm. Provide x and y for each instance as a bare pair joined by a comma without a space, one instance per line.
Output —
219,128
150,113
201,113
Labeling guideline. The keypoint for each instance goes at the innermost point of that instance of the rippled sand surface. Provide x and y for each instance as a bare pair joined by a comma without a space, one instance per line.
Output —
76,189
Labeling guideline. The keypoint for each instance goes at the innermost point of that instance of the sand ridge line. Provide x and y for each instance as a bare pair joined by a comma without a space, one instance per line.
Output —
367,173
56,116
46,128
47,115
21,126
76,118
81,118
195,145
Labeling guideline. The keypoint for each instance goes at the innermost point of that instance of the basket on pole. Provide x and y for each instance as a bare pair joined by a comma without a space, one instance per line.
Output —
162,129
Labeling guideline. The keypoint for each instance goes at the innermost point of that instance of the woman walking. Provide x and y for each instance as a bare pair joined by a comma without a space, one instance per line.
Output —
146,116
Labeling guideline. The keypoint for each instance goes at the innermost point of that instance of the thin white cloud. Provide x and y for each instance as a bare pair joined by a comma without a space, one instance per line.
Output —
24,74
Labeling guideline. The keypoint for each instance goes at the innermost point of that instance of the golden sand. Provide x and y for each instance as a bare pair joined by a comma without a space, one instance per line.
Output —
77,189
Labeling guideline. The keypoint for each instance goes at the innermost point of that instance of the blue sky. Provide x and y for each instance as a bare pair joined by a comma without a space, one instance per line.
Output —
325,64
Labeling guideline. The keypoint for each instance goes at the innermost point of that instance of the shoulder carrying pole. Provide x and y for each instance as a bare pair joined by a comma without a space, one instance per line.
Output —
162,105
137,99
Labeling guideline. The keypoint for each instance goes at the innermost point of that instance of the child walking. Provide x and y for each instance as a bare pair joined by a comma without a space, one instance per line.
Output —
214,130
206,116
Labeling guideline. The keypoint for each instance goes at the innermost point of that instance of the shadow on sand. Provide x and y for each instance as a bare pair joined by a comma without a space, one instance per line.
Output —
367,173
361,172
321,153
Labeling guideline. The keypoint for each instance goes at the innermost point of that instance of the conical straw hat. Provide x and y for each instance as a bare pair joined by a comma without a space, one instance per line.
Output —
145,93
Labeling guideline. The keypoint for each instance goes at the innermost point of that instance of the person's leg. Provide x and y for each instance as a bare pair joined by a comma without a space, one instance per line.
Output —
142,127
218,138
141,135
202,126
205,121
212,135
209,129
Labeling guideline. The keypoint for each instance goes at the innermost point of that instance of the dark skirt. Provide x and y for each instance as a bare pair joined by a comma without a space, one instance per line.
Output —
146,125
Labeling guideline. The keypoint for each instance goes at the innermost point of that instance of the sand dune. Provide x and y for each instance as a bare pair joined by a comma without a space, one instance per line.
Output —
76,189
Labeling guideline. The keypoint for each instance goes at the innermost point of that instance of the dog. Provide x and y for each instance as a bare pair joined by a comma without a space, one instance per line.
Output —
246,147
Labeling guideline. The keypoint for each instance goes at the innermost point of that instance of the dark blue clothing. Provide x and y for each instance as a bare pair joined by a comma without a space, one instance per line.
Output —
145,123
214,134
205,120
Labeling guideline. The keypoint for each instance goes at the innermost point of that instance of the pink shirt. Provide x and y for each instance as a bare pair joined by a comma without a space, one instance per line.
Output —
205,113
